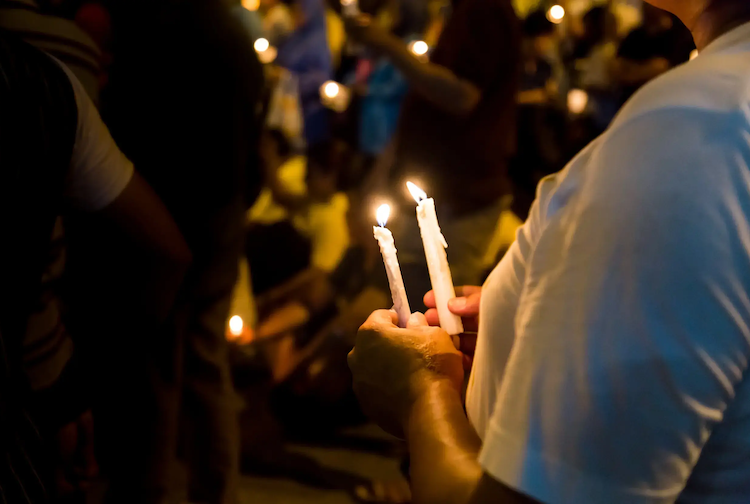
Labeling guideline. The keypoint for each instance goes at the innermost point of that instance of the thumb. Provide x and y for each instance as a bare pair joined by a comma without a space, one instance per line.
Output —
417,319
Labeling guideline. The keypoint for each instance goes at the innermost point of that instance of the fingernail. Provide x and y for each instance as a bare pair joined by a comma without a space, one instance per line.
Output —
414,318
458,303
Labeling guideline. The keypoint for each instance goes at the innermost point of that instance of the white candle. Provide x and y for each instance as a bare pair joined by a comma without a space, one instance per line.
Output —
437,260
392,269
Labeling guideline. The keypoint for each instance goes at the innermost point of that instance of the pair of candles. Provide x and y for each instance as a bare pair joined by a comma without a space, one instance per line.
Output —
437,262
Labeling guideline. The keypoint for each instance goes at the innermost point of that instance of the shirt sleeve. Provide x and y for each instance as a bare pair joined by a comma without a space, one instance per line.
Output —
99,171
632,331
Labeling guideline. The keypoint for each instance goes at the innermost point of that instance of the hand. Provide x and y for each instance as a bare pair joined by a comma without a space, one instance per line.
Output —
362,29
465,305
77,465
393,367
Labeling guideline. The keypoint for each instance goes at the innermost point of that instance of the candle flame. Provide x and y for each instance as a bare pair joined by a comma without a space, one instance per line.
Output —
236,325
330,89
417,193
382,213
556,13
419,47
261,45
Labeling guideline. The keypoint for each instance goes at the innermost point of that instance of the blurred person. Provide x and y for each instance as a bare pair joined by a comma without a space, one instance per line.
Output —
250,20
193,126
298,233
456,131
661,43
594,60
277,21
57,36
383,92
306,54
611,359
60,158
540,122
537,83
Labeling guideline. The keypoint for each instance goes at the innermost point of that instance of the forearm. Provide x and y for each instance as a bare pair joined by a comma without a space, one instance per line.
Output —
433,82
444,448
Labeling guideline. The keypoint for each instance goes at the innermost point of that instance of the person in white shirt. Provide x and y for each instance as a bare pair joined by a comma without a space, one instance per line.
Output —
614,337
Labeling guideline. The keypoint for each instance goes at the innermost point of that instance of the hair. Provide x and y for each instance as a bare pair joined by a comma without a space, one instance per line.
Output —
536,24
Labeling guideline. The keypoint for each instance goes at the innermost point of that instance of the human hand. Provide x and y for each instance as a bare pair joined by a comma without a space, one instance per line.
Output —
465,305
77,465
362,29
393,367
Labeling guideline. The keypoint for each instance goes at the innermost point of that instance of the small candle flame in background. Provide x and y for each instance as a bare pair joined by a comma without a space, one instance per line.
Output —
261,45
251,5
577,100
556,13
382,214
419,47
417,193
330,89
236,325
693,54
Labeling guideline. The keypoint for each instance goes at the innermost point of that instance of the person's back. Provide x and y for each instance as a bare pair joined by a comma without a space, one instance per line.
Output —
463,159
183,101
637,256
37,133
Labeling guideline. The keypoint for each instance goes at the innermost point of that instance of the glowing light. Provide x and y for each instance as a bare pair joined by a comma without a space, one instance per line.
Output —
331,89
417,193
419,47
577,100
236,325
251,5
556,13
693,54
261,45
382,214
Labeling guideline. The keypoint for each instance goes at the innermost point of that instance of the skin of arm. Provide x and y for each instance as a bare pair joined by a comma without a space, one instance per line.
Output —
142,218
434,82
409,381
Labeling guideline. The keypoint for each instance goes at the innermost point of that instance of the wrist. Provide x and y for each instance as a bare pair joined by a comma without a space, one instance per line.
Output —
432,394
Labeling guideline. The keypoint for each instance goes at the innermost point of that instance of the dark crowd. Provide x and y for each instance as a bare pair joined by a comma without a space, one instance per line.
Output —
188,190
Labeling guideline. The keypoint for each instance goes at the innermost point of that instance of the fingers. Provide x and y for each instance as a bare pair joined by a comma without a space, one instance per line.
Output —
432,317
416,320
463,291
471,324
466,306
380,318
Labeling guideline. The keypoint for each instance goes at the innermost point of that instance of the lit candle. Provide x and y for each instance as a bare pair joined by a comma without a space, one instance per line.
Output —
437,260
392,269
335,96
236,325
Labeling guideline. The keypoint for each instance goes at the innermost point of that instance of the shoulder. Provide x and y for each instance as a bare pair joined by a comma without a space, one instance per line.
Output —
714,84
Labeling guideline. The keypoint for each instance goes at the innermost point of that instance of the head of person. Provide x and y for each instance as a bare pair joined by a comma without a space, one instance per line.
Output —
540,32
324,164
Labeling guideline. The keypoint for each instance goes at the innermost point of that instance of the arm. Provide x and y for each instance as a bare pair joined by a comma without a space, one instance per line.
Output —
418,394
435,83
142,218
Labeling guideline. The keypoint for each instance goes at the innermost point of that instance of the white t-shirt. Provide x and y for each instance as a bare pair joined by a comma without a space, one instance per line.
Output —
99,171
614,336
